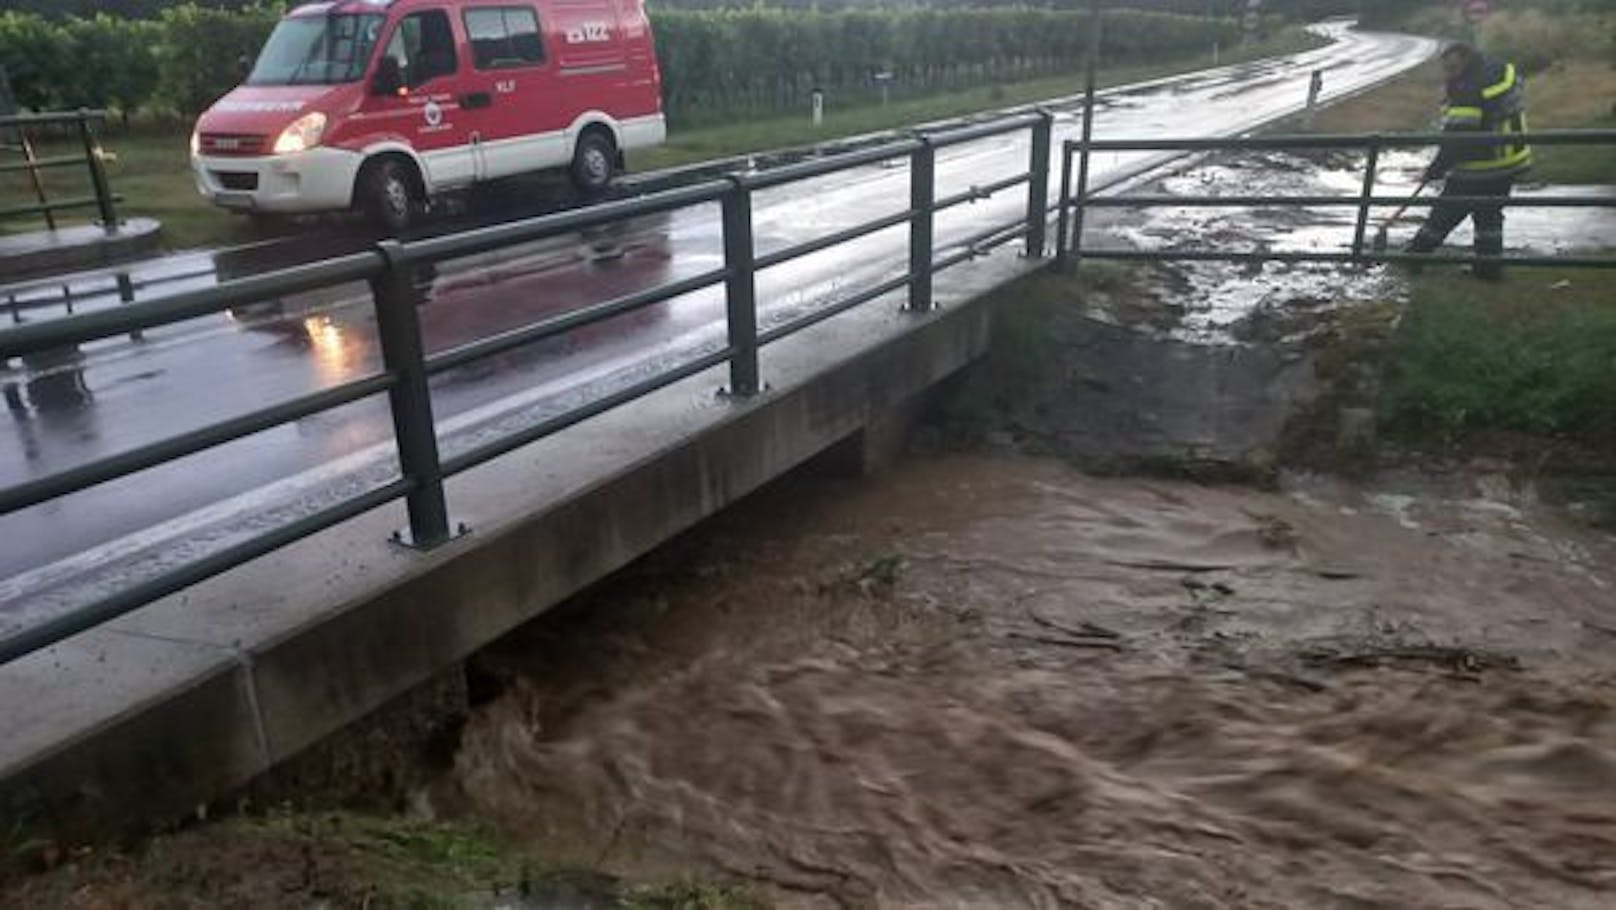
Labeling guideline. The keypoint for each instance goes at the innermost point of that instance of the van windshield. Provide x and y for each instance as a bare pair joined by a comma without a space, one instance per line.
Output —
317,50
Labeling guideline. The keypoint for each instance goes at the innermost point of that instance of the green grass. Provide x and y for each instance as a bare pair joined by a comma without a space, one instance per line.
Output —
152,174
1535,354
151,171
339,859
1577,163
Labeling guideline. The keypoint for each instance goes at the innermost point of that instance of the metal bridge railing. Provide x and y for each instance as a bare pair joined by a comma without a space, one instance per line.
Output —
1075,200
93,159
406,367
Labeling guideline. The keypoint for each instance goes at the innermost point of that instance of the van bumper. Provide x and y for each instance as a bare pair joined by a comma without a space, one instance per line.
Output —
643,132
316,180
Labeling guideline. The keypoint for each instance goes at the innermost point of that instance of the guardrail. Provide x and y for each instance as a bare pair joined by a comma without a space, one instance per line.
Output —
1074,201
406,368
93,159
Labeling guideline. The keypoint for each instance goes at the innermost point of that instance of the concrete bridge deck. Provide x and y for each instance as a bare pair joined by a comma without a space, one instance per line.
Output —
198,693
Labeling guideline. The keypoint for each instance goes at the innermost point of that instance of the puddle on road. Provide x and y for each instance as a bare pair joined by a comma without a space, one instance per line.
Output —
998,682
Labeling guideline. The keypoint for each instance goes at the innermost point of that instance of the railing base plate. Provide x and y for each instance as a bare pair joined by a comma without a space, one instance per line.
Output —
404,538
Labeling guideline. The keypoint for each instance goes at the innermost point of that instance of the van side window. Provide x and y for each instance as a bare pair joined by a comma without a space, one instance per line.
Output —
504,37
424,46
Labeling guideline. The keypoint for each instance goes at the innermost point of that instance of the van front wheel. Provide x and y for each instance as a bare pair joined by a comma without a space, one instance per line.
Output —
594,163
386,195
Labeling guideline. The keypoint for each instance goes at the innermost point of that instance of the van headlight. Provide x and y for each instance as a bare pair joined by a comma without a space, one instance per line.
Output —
304,133
196,143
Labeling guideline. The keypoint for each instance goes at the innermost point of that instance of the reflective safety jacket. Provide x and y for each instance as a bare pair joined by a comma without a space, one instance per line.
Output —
1489,96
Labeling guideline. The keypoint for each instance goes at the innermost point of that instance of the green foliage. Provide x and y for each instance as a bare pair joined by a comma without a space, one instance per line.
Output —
37,59
200,48
184,59
125,9
1514,357
114,65
716,63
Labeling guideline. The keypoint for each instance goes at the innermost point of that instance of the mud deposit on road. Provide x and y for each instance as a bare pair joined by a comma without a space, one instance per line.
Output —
997,682
1220,302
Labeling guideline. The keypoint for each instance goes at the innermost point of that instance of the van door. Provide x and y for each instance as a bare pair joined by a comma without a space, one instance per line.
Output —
511,72
426,113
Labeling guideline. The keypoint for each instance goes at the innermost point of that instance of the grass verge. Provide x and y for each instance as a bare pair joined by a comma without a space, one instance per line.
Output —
339,859
153,175
1534,354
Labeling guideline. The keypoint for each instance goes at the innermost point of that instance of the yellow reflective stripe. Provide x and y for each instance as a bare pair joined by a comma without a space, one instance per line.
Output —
1520,156
1503,85
1462,113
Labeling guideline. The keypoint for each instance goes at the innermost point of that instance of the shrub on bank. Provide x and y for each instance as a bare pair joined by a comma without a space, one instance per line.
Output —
1515,357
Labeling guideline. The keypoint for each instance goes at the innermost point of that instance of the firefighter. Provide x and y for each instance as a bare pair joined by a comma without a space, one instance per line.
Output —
1483,95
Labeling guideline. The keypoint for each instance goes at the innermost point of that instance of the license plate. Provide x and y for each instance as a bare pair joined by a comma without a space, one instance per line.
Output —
232,200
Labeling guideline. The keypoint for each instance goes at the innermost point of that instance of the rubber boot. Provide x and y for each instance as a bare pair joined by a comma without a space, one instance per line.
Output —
1489,248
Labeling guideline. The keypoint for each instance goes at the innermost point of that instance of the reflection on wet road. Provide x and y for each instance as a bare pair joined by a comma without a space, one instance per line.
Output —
120,393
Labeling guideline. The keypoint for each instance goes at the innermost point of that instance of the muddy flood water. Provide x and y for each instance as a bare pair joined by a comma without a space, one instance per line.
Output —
987,681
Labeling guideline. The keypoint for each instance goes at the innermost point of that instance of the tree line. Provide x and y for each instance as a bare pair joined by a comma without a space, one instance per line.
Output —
715,63
720,62
1293,9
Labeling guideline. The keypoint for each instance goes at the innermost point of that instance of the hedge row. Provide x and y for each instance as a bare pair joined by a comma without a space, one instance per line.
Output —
715,62
182,60
721,61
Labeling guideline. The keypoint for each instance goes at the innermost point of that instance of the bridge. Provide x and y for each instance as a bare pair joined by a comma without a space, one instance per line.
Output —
149,670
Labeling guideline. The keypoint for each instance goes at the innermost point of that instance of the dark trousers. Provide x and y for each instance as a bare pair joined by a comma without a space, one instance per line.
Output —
1489,219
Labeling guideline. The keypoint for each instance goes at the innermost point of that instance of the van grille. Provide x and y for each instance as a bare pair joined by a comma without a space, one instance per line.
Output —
237,180
231,144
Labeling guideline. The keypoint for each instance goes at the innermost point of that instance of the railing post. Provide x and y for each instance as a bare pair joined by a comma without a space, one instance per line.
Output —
1063,210
922,205
1038,185
399,328
740,289
98,173
1371,166
1080,196
1091,65
126,295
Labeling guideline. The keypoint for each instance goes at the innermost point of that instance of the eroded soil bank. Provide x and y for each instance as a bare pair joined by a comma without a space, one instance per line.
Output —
998,682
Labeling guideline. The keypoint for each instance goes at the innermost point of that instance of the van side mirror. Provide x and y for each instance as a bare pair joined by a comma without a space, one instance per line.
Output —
244,66
389,77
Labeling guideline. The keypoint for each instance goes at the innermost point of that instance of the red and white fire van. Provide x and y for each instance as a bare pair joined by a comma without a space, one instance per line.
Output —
383,104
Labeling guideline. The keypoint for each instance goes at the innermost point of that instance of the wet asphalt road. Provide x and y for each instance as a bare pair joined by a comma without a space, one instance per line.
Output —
122,393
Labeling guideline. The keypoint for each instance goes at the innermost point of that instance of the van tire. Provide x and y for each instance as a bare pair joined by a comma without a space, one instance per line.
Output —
386,193
594,163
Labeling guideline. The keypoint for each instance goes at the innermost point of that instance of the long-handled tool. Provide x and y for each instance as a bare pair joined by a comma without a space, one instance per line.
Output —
1379,245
